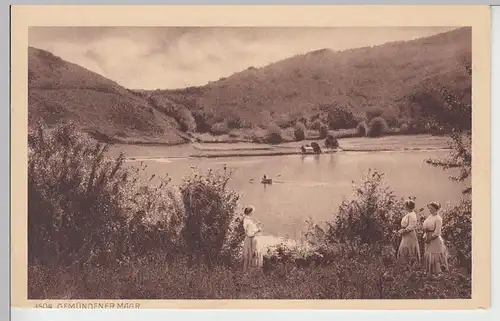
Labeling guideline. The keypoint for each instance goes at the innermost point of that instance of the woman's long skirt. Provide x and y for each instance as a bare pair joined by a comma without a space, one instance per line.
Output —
409,250
436,256
249,253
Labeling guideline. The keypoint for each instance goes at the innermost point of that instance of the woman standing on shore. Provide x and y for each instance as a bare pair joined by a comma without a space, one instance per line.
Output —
249,245
436,253
409,250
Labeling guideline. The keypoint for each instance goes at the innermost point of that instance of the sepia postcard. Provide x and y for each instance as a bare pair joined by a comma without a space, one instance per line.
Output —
250,157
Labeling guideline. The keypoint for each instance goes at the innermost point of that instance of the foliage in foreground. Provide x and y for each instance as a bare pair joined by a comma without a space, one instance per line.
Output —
85,208
455,117
99,230
80,203
458,229
361,239
159,277
212,229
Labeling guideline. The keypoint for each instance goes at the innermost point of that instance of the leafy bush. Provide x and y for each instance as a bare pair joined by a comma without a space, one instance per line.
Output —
300,132
317,124
374,112
236,122
211,217
219,128
257,135
273,135
338,116
316,148
362,129
186,120
203,121
373,215
457,232
377,127
331,142
300,117
288,134
323,131
284,121
460,156
342,118
454,116
391,117
80,202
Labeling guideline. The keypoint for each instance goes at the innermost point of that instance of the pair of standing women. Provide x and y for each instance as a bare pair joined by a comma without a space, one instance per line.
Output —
435,251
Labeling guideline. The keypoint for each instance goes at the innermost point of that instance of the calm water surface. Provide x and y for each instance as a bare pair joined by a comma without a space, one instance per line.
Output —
314,185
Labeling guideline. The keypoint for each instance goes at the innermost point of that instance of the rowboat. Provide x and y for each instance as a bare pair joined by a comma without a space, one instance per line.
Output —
267,181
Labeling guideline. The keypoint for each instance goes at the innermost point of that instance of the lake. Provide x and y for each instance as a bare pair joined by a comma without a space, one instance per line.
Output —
314,185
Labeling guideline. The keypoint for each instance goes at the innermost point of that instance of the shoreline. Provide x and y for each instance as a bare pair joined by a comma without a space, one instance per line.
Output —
284,153
196,150
187,140
288,153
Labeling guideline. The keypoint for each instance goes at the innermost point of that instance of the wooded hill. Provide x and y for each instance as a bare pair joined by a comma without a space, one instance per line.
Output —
321,84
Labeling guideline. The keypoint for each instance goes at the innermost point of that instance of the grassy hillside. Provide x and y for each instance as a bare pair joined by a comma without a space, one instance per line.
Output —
62,91
335,88
304,86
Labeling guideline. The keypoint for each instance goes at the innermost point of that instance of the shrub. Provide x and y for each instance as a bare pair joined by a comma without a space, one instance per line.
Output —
373,215
457,232
300,117
391,117
219,129
362,129
203,121
316,124
331,142
236,122
265,118
323,131
284,121
288,134
291,254
300,132
186,120
273,135
257,135
377,127
374,112
316,148
456,118
404,128
211,219
80,202
340,117
460,156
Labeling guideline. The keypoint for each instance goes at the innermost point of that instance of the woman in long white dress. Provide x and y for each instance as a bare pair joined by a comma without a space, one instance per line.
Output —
409,250
250,255
436,253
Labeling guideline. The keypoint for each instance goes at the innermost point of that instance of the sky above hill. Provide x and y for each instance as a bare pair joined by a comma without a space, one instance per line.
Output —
167,58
